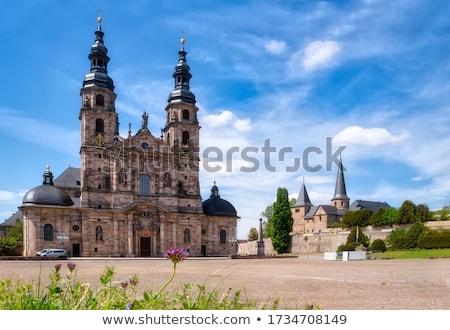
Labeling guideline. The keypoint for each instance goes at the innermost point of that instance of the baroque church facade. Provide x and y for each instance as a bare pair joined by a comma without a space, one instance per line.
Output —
132,196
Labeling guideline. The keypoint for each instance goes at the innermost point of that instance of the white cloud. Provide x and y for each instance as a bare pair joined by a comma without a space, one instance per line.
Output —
320,54
226,118
357,135
275,47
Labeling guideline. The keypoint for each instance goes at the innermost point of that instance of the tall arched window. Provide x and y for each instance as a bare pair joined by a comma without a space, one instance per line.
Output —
185,114
99,100
99,126
48,232
145,185
223,236
185,137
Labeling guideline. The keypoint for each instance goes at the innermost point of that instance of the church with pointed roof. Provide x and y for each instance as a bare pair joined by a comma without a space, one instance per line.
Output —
136,195
315,219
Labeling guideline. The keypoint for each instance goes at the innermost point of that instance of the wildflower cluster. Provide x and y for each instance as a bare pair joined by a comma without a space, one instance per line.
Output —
176,255
64,292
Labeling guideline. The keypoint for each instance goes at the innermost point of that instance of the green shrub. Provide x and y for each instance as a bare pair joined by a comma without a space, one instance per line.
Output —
434,239
378,245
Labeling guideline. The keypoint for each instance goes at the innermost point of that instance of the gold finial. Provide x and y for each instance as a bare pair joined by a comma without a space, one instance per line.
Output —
182,39
47,167
214,182
99,19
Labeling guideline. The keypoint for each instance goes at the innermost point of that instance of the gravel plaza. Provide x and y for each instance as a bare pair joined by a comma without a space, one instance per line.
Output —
382,284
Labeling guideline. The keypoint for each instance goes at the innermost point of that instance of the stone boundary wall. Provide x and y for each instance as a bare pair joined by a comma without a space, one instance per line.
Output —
330,240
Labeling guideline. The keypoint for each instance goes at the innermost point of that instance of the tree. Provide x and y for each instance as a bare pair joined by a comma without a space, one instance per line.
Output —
13,240
357,218
281,221
267,225
401,239
407,212
252,234
423,213
354,239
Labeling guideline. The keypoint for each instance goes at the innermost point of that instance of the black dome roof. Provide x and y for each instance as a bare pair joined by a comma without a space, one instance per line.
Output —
218,206
47,193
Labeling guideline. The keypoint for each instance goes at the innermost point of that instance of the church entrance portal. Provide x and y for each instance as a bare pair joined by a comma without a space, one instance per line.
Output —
145,247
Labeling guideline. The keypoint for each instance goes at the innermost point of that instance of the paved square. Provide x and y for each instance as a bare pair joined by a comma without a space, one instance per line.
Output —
334,285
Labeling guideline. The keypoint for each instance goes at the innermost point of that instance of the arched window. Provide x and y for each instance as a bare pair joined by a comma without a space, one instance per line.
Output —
185,137
223,236
145,185
99,126
48,232
185,114
99,100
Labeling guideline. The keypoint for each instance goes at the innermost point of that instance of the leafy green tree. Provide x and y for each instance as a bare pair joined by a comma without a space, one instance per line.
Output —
13,240
357,218
383,217
376,219
354,239
401,239
397,239
390,216
281,221
407,212
413,233
252,234
267,225
423,213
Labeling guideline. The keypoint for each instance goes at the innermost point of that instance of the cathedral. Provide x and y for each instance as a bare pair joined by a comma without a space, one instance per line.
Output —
134,195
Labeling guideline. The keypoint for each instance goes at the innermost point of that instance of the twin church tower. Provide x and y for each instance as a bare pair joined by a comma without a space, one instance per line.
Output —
132,196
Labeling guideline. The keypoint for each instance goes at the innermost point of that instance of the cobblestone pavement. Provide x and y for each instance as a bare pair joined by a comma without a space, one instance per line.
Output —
296,282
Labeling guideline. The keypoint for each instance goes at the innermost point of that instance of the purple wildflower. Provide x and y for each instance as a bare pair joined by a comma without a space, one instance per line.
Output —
57,267
124,284
134,280
71,266
176,255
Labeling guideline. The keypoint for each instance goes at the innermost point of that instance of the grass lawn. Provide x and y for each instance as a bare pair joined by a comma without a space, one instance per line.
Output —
417,253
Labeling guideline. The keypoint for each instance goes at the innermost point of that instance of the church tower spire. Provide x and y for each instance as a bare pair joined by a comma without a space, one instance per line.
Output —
99,120
181,132
182,76
340,199
98,75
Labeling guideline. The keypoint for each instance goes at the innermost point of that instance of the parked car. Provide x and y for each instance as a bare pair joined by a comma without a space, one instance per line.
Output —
41,252
53,253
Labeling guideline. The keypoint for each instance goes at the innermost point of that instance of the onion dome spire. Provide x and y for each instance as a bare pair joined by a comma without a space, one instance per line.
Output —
182,77
98,75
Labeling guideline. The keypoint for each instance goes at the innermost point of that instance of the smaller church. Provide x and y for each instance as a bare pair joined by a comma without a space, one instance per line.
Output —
315,219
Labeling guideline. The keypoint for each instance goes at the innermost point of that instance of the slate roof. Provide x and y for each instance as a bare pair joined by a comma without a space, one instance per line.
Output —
375,206
70,178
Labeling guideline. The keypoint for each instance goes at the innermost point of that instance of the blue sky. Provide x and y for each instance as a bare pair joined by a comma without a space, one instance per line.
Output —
371,76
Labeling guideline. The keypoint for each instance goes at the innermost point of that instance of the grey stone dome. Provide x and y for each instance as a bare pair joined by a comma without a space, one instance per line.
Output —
216,206
47,193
